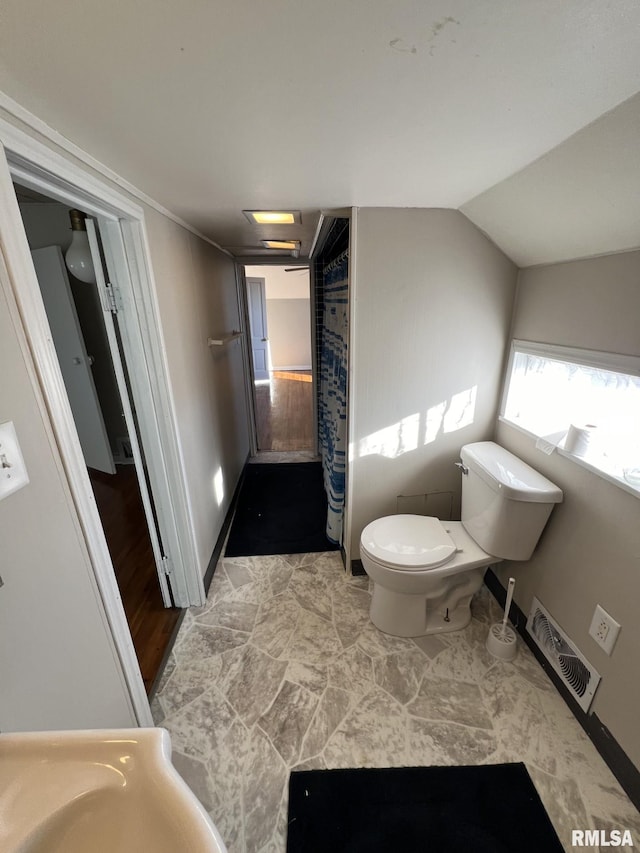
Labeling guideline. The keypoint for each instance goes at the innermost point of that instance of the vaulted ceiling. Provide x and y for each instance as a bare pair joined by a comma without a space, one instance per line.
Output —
525,115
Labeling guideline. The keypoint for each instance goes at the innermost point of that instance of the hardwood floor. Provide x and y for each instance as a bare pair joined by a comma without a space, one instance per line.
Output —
284,411
125,526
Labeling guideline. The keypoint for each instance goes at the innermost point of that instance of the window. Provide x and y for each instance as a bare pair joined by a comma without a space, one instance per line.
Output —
549,389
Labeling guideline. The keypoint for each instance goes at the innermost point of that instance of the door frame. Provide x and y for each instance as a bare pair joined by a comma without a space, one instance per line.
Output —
247,357
115,346
122,225
249,372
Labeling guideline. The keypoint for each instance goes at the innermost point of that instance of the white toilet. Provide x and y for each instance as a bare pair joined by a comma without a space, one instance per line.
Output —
426,571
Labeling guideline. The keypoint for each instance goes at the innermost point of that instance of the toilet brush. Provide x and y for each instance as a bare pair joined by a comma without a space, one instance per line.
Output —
501,642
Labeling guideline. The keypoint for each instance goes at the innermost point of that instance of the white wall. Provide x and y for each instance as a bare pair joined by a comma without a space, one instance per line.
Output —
58,665
289,325
197,295
280,284
288,315
590,551
431,312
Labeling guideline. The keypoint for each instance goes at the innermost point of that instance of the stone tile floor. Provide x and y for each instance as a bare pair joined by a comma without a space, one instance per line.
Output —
282,669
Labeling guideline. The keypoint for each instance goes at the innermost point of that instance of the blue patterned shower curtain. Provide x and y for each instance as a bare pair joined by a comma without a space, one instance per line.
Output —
332,397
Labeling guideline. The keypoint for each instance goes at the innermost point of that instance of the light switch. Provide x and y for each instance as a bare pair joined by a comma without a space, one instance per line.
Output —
13,473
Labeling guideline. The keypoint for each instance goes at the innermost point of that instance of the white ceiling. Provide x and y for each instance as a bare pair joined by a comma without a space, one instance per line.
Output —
212,107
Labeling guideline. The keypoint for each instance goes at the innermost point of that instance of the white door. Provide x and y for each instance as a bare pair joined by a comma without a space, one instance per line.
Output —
258,324
109,308
72,355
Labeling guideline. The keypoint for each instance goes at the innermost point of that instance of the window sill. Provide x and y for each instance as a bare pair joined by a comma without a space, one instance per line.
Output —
579,460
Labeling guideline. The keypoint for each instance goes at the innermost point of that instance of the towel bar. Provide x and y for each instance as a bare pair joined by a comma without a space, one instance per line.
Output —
220,342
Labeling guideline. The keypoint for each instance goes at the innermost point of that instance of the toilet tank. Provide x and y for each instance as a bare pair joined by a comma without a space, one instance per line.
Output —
505,502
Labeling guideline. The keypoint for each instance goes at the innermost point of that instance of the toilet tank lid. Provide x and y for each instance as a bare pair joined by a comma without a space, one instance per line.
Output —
508,474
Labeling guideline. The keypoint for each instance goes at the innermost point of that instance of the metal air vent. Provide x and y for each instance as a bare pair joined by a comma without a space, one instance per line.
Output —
573,668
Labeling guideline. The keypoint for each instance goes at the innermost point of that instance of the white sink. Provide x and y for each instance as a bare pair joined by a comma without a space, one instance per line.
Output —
99,791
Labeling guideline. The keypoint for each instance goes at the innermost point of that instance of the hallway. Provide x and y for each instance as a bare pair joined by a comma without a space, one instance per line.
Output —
284,411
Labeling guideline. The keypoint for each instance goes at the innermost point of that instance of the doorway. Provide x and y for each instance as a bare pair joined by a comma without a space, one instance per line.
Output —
94,372
280,324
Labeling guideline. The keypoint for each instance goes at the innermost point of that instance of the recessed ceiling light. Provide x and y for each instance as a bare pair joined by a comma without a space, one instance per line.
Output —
287,245
273,217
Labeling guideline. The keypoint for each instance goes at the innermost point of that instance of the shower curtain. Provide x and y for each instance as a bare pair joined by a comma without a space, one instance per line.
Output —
332,397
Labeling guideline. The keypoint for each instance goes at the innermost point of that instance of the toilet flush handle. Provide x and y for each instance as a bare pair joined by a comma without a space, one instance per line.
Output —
462,467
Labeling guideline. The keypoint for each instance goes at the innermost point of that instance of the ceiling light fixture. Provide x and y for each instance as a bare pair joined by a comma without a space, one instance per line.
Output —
286,245
273,217
78,256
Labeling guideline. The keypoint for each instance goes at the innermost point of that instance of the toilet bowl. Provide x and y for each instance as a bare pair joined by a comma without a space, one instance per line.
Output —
426,571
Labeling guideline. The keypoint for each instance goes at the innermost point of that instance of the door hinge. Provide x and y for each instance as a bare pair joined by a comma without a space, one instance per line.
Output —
114,299
168,566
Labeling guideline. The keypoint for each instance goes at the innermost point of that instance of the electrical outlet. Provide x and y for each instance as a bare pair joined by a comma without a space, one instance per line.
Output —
604,629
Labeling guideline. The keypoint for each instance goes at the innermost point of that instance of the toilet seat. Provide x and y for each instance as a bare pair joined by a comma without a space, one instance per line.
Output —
408,542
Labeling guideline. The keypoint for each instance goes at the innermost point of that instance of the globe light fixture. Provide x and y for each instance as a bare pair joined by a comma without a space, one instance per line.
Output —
78,256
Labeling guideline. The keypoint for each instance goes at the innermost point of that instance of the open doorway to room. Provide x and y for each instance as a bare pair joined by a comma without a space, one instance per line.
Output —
85,352
279,302
279,510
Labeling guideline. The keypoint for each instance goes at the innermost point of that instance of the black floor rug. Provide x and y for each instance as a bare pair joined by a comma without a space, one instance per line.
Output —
488,809
282,509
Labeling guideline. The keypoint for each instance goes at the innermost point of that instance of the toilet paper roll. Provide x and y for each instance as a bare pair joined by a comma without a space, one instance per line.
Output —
579,439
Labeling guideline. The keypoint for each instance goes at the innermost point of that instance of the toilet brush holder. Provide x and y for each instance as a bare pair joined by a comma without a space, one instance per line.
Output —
501,642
